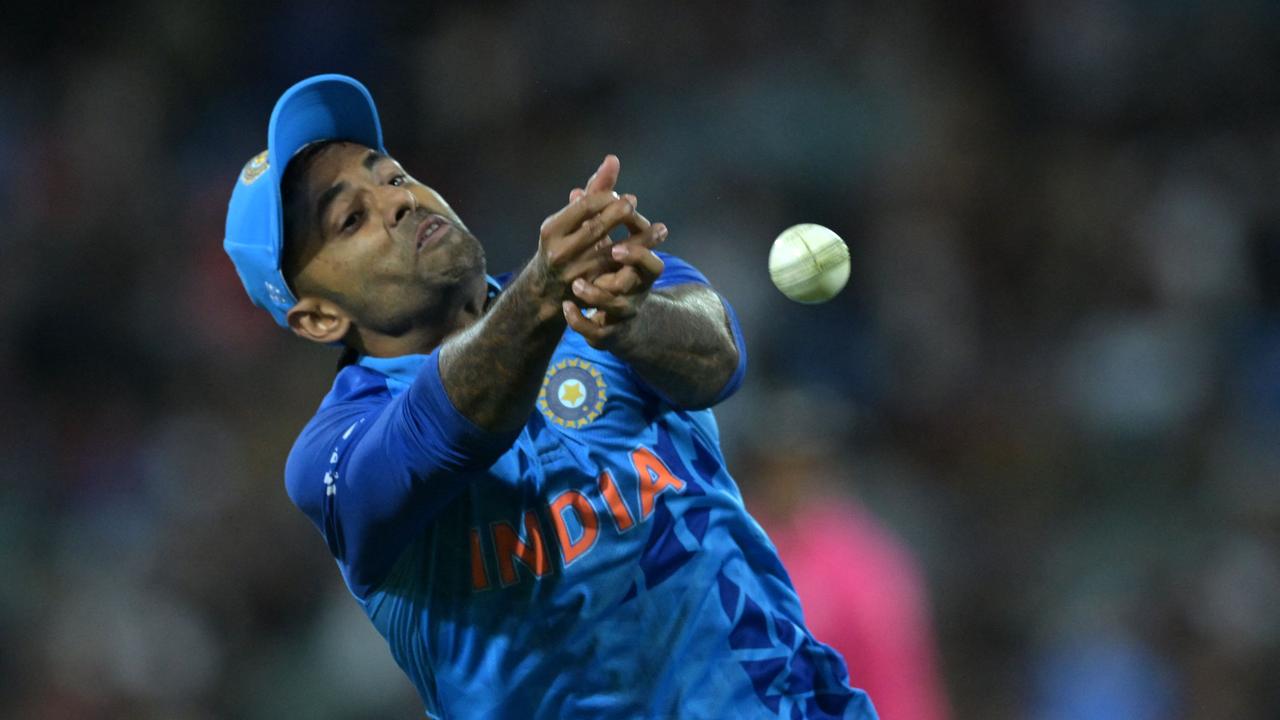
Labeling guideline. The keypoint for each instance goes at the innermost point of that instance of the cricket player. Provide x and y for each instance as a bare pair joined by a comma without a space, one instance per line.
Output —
519,476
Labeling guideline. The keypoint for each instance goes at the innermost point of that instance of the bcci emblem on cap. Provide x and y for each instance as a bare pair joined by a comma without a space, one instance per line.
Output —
573,393
254,169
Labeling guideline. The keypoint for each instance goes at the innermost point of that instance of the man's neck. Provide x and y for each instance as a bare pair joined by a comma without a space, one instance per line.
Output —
428,336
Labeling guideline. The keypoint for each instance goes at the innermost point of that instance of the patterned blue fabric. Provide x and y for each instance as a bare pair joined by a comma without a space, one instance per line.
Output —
598,564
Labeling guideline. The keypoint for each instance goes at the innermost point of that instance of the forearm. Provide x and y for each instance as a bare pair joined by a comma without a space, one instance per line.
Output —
680,342
492,370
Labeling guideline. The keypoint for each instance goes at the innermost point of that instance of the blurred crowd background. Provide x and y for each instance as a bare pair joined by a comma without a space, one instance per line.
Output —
1040,423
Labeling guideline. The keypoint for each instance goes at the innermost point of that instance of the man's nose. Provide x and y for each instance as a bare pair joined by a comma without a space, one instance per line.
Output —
397,204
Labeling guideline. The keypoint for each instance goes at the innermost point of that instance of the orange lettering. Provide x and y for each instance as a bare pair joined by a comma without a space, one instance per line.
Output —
617,508
479,576
654,478
511,546
581,507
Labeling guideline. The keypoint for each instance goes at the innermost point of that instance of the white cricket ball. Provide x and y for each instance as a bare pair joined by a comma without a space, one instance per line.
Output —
809,263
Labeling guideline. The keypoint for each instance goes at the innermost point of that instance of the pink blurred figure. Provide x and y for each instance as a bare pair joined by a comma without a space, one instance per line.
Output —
862,591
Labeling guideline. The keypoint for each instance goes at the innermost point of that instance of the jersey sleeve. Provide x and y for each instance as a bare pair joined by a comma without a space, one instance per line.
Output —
372,471
677,272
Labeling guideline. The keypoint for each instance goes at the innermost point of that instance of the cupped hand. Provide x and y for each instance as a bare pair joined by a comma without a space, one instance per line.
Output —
574,242
616,297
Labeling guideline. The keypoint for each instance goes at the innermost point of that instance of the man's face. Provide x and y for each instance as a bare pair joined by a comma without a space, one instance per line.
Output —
384,247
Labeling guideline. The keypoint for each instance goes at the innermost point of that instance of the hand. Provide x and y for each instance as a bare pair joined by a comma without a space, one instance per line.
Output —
574,242
617,296
605,179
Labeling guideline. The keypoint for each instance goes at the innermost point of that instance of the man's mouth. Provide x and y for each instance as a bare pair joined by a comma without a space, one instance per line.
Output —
433,228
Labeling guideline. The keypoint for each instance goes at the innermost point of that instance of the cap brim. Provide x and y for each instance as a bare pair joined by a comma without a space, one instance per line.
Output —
324,107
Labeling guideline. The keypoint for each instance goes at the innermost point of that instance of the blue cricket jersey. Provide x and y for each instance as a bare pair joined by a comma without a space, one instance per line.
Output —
599,563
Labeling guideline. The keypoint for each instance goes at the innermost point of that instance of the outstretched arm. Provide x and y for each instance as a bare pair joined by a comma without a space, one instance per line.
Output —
680,339
680,342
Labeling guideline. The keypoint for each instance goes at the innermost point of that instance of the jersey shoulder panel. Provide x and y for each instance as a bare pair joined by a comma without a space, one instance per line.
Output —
677,271
357,393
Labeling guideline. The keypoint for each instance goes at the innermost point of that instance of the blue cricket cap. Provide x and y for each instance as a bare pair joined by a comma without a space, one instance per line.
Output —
324,107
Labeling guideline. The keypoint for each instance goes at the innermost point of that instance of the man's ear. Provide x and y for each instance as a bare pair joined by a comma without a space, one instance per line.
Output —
319,320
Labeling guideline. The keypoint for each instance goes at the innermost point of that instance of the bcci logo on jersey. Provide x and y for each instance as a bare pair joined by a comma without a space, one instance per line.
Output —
573,393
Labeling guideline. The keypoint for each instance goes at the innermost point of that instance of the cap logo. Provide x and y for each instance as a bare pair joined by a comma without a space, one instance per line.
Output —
254,168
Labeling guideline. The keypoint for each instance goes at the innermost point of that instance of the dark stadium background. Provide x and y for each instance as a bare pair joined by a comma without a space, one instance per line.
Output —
1055,374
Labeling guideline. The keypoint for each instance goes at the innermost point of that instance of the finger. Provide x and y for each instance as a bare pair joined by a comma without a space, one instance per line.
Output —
606,176
596,174
590,265
577,193
572,215
592,295
596,335
640,223
600,259
585,252
648,265
651,237
624,281
595,228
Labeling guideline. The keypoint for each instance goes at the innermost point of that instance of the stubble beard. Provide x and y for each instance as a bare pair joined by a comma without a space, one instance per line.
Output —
436,298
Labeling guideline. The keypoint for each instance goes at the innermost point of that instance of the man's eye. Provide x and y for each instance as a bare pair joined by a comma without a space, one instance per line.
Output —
399,180
352,221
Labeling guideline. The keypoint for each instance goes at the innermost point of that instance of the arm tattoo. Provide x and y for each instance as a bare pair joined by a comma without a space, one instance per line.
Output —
681,344
492,370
